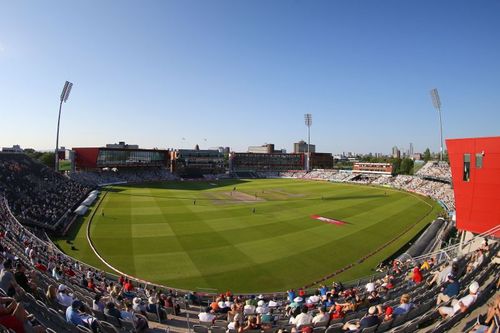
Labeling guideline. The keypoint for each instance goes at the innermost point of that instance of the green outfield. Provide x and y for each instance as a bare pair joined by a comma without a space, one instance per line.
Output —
251,235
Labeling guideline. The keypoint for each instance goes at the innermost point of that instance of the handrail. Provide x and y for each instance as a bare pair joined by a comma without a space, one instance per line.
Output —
454,247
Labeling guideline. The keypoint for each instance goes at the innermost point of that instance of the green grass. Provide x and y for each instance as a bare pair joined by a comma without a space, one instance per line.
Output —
156,232
64,165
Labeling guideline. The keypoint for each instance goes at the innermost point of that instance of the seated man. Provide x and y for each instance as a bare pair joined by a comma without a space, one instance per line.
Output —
303,318
22,279
449,290
8,281
63,296
321,317
75,314
155,307
112,311
206,316
404,305
371,319
462,304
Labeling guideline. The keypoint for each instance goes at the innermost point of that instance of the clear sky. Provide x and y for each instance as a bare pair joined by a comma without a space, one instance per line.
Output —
238,73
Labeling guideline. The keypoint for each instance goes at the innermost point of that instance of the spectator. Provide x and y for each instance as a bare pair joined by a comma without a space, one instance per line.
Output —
337,312
268,318
261,307
462,304
404,305
98,303
111,310
249,308
371,319
253,323
207,315
450,289
128,313
51,296
14,316
303,318
22,280
75,314
370,286
491,323
41,267
417,276
138,305
387,314
63,297
321,317
7,280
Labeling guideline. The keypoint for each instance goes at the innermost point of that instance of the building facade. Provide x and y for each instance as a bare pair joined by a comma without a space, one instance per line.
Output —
377,168
93,158
267,148
195,163
475,170
301,147
253,162
321,161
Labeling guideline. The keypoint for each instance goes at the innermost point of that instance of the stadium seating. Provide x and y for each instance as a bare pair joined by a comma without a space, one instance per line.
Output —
37,195
19,244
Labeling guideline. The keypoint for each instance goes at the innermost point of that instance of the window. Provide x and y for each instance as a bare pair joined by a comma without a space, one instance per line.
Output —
479,160
466,167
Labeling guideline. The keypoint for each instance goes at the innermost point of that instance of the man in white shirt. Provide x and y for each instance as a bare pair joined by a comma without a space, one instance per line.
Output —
321,317
206,316
248,309
261,307
62,296
462,304
314,299
370,286
303,318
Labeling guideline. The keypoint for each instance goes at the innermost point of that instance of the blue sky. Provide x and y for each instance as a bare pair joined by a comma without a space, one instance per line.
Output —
239,73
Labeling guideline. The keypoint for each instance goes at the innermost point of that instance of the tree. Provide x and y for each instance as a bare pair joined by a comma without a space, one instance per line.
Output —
427,155
47,159
396,166
406,166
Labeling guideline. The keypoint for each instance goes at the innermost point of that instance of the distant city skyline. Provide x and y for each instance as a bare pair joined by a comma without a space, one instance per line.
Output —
232,73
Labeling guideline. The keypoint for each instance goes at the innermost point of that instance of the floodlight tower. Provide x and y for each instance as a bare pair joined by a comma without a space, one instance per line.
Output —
308,121
64,97
437,105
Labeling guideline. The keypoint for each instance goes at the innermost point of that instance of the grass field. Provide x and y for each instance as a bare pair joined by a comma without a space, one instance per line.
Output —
158,232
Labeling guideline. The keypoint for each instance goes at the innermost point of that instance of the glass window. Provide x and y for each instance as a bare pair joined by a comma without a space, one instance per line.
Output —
466,167
479,161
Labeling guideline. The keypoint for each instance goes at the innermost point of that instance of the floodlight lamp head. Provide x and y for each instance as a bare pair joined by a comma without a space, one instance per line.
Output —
308,119
66,91
435,99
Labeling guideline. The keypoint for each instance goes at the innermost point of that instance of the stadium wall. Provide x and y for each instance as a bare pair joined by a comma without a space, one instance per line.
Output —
86,158
475,169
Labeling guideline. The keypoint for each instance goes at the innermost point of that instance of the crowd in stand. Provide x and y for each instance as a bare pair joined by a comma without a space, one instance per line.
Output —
408,292
429,186
87,297
129,175
435,169
36,194
32,271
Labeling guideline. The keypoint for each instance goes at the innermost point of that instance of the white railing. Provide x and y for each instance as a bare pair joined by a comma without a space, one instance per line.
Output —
454,250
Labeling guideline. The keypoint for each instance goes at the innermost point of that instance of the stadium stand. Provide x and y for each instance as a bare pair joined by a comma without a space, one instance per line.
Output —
435,187
37,195
125,175
439,170
53,292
